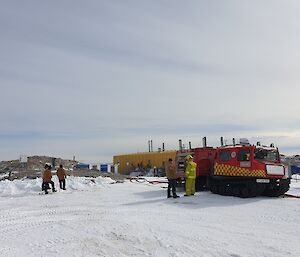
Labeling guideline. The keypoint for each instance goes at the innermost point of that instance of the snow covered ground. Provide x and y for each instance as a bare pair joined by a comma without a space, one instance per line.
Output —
3,175
295,185
96,218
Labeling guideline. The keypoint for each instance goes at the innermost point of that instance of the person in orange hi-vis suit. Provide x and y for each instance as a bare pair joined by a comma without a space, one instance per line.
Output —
62,174
47,179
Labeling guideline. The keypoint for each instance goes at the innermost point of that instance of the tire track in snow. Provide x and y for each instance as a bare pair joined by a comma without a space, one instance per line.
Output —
21,222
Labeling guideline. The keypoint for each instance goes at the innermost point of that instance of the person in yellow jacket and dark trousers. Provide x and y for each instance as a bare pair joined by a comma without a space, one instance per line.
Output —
190,176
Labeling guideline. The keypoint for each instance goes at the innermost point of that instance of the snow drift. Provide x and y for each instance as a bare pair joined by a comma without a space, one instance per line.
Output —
25,187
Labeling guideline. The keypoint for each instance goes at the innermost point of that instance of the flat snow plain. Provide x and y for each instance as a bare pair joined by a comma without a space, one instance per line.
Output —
97,218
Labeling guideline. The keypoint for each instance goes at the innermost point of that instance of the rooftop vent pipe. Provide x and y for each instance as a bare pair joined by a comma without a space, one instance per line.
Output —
180,145
204,142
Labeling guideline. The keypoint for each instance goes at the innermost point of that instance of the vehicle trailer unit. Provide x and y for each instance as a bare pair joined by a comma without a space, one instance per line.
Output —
241,170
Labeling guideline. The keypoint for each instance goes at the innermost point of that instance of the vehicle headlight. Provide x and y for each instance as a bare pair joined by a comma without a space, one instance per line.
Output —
275,170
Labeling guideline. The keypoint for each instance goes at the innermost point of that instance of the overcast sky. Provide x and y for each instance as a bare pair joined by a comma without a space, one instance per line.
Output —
99,78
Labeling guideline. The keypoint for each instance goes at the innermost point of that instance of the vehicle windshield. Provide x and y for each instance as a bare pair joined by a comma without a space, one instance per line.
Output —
268,155
181,164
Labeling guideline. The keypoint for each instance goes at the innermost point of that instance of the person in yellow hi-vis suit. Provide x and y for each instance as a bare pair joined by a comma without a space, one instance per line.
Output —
190,176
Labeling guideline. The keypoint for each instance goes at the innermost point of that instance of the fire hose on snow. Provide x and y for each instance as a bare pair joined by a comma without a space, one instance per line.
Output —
143,180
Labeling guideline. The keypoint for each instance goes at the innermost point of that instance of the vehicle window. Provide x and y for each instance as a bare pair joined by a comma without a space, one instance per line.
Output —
262,154
224,156
244,155
181,163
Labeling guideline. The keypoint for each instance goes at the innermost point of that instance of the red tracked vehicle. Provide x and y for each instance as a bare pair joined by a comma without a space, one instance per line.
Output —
242,170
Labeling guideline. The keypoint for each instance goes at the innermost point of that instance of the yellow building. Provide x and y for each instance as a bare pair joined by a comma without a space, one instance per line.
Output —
129,162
